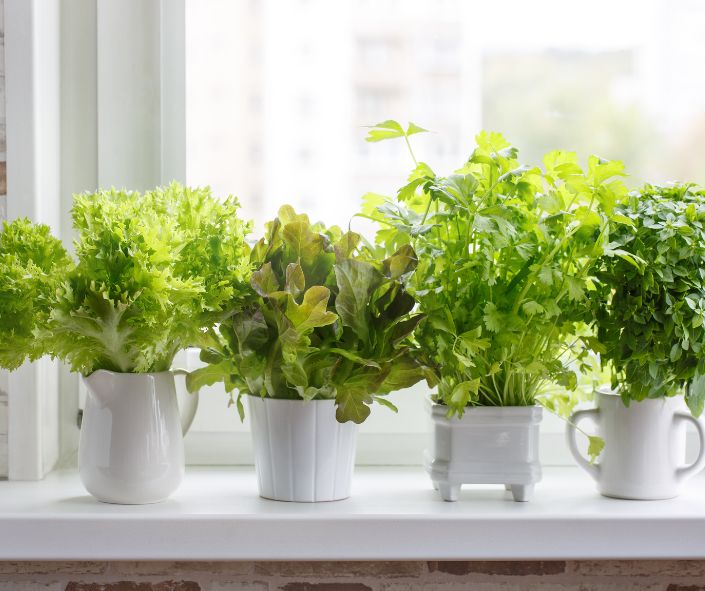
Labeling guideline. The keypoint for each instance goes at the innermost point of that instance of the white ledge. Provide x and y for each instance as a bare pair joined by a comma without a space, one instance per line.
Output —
393,515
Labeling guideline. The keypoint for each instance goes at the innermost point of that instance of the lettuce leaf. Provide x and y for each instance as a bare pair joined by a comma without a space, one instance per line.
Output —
325,320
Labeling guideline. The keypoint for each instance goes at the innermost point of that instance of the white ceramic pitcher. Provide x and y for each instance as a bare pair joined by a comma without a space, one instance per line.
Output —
131,447
644,454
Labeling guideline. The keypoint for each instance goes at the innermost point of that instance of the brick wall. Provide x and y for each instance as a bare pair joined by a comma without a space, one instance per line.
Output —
354,576
3,215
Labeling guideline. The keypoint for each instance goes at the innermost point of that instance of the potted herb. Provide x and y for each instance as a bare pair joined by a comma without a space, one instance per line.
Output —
151,273
648,311
504,269
32,263
326,334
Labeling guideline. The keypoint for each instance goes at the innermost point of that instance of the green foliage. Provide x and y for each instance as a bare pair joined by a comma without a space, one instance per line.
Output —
325,321
32,263
649,308
505,254
152,272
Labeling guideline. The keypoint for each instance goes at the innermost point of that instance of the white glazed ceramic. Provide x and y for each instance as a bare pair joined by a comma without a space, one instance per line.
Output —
187,402
644,454
131,447
488,445
302,453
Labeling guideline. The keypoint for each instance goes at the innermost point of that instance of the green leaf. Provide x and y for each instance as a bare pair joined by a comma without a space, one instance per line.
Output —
404,373
345,247
207,376
313,310
401,263
532,308
295,280
413,128
595,447
356,281
402,329
264,281
304,244
352,404
493,318
250,330
295,373
385,130
385,402
463,393
354,357
695,394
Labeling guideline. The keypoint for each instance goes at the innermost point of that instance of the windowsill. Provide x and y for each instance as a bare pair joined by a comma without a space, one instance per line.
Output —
393,515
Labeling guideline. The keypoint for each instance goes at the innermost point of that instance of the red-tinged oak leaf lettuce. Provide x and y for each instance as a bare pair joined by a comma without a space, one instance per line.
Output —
326,321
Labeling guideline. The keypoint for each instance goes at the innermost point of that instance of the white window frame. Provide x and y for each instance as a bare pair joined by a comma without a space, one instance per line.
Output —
33,159
81,95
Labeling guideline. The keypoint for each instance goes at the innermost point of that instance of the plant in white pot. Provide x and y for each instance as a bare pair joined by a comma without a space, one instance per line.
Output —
152,273
648,311
504,257
327,333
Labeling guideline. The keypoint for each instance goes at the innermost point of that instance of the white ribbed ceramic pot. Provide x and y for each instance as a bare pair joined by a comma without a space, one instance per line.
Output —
644,455
302,453
487,445
131,448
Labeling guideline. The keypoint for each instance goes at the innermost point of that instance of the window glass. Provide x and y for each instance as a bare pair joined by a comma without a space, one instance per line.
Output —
279,92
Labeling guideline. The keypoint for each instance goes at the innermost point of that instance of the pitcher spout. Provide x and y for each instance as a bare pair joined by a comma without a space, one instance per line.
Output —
100,384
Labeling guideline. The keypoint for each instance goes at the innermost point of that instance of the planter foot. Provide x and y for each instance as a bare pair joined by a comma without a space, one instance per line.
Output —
435,485
449,492
522,492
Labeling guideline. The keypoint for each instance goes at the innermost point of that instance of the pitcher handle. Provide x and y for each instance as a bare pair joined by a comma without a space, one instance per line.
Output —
188,403
592,469
687,471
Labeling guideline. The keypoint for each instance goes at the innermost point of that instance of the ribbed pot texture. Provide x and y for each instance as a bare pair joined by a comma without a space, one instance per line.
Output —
302,453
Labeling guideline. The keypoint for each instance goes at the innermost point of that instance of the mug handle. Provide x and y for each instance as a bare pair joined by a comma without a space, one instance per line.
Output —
592,469
187,410
687,471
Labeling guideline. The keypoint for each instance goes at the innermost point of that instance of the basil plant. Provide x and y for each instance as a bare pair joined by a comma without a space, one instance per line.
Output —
325,320
649,310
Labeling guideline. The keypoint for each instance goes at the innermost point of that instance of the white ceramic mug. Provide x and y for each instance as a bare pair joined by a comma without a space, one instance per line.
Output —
131,448
645,443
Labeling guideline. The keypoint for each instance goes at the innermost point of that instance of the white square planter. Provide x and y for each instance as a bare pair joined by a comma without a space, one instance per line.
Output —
488,445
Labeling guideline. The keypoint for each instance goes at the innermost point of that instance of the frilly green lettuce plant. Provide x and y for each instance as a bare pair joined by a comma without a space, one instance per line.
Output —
326,321
151,273
32,263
